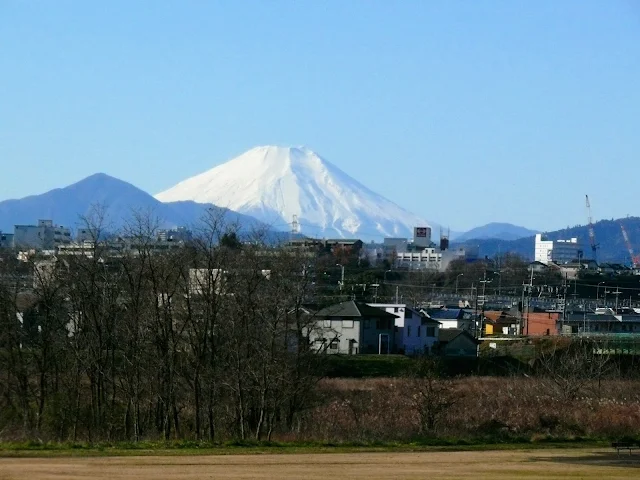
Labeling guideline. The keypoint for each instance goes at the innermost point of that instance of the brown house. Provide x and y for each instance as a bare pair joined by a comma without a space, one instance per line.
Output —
541,323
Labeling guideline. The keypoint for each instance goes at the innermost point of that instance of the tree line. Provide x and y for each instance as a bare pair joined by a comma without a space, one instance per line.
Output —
209,341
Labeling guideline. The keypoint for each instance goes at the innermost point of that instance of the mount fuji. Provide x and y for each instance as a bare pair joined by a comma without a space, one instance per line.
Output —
274,184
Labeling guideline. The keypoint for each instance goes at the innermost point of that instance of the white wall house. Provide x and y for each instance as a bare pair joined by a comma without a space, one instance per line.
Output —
415,332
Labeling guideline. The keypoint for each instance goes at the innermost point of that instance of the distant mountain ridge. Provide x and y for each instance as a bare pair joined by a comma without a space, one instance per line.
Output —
274,184
66,205
499,231
608,234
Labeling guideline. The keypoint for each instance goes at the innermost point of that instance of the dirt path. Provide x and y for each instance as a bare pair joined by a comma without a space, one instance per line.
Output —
538,464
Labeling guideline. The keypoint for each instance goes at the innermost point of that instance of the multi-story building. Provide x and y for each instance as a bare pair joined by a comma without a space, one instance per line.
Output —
179,234
423,254
43,236
424,259
422,237
557,251
466,253
394,245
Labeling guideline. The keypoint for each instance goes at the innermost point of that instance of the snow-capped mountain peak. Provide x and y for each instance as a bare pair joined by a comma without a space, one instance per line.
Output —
275,183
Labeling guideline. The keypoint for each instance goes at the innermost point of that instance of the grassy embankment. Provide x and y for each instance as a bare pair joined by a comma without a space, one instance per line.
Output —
80,449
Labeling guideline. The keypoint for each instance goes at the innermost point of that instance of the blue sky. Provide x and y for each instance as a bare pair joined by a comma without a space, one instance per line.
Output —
463,112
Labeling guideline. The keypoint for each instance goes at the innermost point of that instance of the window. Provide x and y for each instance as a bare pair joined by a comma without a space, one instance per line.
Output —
408,330
334,344
431,331
418,330
395,309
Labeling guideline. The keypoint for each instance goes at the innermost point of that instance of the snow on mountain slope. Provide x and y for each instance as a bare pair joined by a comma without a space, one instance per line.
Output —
275,183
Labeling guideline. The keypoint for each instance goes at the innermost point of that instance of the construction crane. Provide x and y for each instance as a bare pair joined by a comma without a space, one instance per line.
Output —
635,259
592,235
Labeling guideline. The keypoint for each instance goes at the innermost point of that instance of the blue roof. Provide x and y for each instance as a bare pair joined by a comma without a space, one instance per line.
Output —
451,314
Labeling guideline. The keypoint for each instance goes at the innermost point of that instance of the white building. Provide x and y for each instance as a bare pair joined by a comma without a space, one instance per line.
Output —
415,333
206,281
558,251
424,259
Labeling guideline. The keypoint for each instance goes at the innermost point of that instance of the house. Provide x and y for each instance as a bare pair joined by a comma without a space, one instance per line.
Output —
500,323
539,267
541,323
353,327
452,317
454,342
415,332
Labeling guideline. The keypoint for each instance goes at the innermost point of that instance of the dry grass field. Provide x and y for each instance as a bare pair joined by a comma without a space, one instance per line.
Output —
512,464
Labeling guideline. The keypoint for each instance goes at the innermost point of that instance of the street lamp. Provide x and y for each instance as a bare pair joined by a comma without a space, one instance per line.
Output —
384,277
341,276
499,283
457,277
598,293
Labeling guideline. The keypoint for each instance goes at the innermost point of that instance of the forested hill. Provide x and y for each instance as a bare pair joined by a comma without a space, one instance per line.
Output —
608,236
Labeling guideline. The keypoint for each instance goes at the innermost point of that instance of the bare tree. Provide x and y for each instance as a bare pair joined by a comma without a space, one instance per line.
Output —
569,367
431,393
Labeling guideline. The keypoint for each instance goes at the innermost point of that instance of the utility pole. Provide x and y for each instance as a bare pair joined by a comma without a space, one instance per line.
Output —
341,275
616,293
564,305
457,277
529,288
484,282
598,292
475,317
521,326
